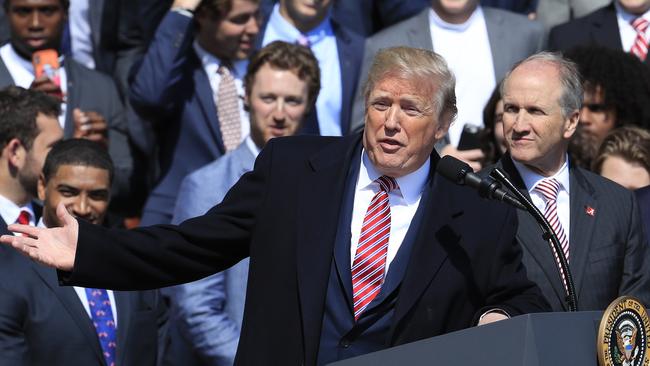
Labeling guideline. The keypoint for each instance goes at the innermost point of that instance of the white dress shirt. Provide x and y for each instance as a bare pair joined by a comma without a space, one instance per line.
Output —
81,292
210,66
80,33
531,179
403,204
466,48
323,44
625,28
22,72
10,211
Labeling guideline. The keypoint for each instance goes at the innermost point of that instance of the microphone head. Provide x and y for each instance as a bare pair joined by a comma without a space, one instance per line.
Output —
453,169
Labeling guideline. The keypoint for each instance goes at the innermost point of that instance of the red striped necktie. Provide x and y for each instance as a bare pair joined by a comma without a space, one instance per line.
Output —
640,46
549,188
370,258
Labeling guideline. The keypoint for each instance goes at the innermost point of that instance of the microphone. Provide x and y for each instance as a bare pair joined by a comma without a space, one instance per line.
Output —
461,173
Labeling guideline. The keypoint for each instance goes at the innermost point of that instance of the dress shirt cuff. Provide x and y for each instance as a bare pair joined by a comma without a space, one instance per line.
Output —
496,311
184,11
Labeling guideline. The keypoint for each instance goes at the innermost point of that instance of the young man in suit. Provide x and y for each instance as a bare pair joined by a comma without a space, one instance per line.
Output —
181,85
596,220
91,106
338,51
496,37
43,323
28,129
282,83
612,26
327,281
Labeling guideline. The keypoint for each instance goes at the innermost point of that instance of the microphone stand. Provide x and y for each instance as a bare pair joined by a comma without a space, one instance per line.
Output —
547,234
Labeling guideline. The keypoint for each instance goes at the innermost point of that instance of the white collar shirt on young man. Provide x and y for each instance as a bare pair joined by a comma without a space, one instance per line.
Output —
10,211
466,48
625,28
81,292
210,66
403,204
323,44
22,72
80,33
531,179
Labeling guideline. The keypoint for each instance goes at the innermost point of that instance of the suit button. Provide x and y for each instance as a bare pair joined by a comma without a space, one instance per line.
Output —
345,343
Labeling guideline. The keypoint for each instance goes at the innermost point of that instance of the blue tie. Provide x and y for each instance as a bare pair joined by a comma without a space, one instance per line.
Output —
102,317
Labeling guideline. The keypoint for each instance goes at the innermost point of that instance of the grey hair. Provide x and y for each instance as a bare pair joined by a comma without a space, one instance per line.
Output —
572,91
416,64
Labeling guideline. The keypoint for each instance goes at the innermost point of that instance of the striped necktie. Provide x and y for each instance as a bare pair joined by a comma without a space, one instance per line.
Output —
370,258
640,46
549,189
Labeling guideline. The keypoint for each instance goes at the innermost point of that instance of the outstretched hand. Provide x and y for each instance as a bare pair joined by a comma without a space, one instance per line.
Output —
53,247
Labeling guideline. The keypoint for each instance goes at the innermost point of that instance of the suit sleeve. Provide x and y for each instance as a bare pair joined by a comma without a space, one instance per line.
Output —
203,320
508,287
635,280
167,255
155,80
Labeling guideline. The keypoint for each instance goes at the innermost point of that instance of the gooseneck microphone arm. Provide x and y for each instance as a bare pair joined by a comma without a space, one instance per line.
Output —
547,234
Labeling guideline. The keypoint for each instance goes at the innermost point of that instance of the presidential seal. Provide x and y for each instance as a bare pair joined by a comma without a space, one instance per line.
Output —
623,334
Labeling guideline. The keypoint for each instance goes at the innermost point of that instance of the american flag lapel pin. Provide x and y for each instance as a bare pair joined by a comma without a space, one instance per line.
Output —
590,211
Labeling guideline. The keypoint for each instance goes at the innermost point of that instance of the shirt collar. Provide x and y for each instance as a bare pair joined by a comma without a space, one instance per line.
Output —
251,146
288,33
15,58
10,211
211,63
531,178
629,17
434,18
410,185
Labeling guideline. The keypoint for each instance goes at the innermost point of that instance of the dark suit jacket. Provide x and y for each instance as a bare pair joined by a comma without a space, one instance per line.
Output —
598,28
285,214
90,90
171,87
609,256
42,323
643,196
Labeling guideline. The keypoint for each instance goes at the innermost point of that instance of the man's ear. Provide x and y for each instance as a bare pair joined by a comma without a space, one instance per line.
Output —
444,122
41,187
15,153
571,124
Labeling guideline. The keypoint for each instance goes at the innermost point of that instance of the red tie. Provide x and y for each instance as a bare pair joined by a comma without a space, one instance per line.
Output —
549,188
23,218
640,46
370,258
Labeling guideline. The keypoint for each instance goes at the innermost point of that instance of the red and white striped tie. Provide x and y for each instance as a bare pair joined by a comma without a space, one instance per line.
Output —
549,188
640,46
370,258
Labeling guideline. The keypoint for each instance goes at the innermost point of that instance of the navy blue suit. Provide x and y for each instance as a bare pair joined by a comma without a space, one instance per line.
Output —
643,198
171,87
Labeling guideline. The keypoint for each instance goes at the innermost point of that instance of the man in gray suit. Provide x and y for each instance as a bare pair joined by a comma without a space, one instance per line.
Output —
281,87
479,44
596,220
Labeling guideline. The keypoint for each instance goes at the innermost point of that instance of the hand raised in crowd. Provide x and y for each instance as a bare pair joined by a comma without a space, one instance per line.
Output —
54,247
90,125
186,4
473,157
46,85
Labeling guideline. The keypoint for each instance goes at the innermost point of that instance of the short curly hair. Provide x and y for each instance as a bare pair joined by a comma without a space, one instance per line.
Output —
64,3
624,80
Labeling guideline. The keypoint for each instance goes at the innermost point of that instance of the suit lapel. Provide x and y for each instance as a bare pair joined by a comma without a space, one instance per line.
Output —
604,29
323,184
428,251
68,297
529,235
348,58
124,311
205,100
582,225
5,76
419,34
95,9
72,97
494,24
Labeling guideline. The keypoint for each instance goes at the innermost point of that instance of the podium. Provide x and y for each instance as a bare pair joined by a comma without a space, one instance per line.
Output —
533,340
